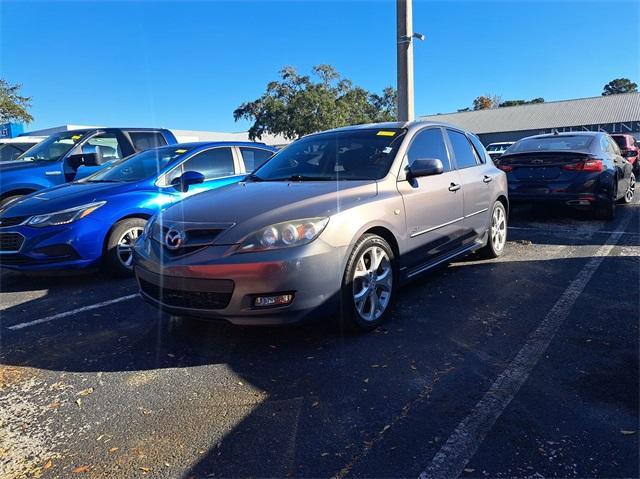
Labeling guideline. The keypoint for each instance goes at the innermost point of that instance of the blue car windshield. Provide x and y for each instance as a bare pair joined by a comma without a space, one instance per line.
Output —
53,148
354,154
140,166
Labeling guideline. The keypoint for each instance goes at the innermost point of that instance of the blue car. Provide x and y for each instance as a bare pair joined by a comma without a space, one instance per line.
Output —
98,219
71,155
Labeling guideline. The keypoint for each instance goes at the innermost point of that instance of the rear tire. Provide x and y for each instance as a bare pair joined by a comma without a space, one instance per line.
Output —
368,290
119,250
607,211
497,232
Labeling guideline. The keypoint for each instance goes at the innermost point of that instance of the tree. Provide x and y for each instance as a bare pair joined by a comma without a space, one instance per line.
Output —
521,102
296,105
484,102
13,106
620,85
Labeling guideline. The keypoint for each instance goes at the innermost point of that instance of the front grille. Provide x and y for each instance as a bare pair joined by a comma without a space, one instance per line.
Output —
186,299
13,221
11,241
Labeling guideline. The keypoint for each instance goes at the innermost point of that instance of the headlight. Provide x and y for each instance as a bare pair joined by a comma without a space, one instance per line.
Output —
65,216
284,235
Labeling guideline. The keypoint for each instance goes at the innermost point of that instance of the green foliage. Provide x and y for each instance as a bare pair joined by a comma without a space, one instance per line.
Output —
297,105
619,85
13,106
521,102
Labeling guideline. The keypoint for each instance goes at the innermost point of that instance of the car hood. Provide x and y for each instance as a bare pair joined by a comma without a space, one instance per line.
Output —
63,197
253,205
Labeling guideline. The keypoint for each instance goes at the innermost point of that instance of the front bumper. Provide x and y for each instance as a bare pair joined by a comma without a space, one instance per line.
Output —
73,246
213,284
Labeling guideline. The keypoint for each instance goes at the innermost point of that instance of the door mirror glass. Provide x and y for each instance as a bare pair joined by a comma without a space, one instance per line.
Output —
182,183
424,167
630,154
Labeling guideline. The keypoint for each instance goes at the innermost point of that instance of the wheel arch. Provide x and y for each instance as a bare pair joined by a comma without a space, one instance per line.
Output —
140,215
388,236
18,191
505,202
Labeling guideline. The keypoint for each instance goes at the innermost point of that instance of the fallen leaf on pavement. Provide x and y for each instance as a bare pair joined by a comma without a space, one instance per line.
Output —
85,392
145,469
48,464
78,402
113,449
80,469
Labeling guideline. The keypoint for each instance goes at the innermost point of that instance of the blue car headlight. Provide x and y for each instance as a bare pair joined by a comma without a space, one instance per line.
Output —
65,216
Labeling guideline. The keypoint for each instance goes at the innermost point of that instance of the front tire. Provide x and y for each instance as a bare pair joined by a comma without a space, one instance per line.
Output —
369,283
9,199
119,249
497,232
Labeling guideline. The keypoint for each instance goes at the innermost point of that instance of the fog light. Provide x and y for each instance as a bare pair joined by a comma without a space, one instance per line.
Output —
271,301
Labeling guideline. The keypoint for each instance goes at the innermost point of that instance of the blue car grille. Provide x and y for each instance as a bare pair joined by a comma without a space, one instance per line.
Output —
186,299
13,221
11,241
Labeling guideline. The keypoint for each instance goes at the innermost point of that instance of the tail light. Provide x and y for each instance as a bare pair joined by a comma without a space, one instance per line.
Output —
590,164
505,168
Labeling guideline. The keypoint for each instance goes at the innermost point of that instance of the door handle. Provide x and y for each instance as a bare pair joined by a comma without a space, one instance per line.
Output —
454,187
487,179
52,173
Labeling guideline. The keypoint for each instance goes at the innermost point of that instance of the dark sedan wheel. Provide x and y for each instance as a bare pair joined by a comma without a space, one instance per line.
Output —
369,283
631,188
119,254
497,232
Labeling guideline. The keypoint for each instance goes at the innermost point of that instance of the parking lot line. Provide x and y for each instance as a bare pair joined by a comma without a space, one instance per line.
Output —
470,433
72,312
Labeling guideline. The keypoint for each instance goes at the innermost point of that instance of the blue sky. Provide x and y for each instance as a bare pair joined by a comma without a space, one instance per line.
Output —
188,65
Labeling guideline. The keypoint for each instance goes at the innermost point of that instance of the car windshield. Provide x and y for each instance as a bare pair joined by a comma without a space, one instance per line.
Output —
53,148
364,154
553,143
140,166
621,141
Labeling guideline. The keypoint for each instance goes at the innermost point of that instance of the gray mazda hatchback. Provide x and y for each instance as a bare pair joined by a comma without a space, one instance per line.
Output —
333,223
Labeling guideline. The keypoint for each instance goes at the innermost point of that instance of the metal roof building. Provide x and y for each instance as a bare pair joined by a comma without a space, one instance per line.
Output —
613,114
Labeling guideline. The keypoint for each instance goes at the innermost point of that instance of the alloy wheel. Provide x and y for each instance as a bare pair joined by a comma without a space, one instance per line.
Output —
125,246
628,196
498,228
372,283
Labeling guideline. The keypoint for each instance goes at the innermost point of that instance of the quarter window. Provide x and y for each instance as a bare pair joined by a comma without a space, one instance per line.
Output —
462,150
429,144
144,140
213,163
254,158
479,148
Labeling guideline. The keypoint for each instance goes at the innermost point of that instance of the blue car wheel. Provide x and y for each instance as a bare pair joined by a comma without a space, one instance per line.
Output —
119,252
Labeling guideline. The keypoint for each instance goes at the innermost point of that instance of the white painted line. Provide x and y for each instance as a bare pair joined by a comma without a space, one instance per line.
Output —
72,312
527,228
467,437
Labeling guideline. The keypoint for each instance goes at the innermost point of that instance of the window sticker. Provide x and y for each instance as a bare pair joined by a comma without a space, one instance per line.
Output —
181,151
76,137
386,133
387,150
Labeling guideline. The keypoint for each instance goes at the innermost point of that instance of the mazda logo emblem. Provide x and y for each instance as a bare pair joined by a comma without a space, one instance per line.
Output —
174,239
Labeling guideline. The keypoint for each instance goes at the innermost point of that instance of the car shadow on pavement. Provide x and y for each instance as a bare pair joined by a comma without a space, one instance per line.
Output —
326,396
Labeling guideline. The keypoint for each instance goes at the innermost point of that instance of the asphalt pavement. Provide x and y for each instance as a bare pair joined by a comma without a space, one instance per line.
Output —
524,366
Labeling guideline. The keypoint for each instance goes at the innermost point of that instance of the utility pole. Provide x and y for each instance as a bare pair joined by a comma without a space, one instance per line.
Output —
404,19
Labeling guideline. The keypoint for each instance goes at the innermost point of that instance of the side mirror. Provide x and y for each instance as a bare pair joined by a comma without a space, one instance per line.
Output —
630,154
424,167
182,183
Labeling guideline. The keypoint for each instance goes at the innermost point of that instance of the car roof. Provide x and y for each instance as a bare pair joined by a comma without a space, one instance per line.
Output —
392,125
566,133
502,143
199,144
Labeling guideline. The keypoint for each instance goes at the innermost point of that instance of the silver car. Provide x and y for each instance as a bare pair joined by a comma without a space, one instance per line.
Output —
334,222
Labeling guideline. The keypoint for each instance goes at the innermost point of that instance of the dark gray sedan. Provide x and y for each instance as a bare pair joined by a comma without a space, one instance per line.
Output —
336,221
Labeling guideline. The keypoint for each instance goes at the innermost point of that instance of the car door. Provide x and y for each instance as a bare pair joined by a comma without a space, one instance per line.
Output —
475,178
218,165
433,204
622,165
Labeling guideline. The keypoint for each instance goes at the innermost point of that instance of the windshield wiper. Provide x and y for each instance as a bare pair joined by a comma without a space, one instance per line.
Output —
252,177
304,178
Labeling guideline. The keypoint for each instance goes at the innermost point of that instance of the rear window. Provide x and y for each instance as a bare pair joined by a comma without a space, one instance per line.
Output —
620,140
552,143
144,140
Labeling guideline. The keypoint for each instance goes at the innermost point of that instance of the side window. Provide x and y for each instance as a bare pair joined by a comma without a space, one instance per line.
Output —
462,150
9,152
604,144
429,143
212,163
254,157
613,147
105,145
144,140
479,148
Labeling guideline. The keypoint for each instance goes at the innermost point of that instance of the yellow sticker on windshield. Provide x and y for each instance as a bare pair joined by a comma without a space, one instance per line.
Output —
181,151
386,133
76,137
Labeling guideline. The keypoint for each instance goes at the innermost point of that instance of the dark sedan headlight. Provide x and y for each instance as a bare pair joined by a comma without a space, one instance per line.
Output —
284,235
64,217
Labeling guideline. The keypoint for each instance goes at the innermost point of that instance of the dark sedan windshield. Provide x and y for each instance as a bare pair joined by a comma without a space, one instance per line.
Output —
138,167
364,154
54,147
553,143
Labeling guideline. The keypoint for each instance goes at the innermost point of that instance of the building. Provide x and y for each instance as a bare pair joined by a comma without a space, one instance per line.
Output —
611,114
183,136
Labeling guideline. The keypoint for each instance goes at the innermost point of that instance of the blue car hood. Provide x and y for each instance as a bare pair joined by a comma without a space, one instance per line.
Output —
65,196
